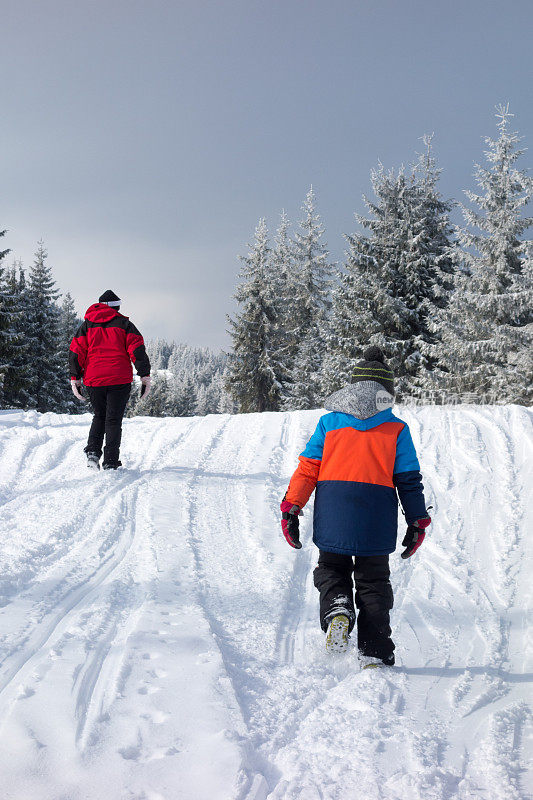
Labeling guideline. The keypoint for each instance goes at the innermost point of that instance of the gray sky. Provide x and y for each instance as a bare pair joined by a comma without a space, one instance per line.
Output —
143,140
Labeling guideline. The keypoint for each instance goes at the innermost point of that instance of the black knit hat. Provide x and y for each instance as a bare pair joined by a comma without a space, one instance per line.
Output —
110,299
374,368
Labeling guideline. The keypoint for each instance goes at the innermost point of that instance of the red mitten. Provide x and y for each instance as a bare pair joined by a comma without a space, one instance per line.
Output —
415,536
290,524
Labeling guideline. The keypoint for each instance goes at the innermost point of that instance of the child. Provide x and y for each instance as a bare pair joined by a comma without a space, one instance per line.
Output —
358,458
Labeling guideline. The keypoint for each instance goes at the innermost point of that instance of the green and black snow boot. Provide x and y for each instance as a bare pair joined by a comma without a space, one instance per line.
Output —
337,634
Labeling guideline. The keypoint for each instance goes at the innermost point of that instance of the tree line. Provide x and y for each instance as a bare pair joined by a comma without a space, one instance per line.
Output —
451,306
186,381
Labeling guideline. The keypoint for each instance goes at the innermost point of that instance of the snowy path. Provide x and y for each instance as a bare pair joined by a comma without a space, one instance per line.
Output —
159,640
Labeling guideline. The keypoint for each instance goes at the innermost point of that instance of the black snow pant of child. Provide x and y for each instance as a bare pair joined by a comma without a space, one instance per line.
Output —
373,598
109,405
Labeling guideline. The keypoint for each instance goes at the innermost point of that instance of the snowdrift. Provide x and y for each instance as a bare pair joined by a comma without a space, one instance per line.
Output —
159,639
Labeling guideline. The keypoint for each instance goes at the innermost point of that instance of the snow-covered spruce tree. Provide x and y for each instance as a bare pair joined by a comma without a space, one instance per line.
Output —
432,257
226,404
186,399
343,345
159,354
69,322
311,303
394,275
519,384
283,282
161,402
3,253
43,333
7,326
253,364
214,391
18,378
201,404
487,327
365,311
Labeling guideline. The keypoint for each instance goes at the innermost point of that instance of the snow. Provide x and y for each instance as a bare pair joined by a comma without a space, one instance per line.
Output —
159,640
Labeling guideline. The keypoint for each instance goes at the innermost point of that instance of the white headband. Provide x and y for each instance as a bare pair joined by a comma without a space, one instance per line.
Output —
112,303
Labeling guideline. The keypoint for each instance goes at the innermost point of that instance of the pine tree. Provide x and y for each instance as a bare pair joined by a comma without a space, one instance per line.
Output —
434,231
226,404
365,311
68,324
487,327
253,363
7,331
3,253
186,403
393,277
201,405
43,333
158,353
160,401
343,344
18,376
431,261
311,303
283,283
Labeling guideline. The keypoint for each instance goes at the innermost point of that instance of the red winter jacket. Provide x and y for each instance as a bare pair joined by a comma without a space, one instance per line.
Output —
104,347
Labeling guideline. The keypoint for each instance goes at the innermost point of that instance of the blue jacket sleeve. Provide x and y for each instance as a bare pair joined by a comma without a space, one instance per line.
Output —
407,478
315,445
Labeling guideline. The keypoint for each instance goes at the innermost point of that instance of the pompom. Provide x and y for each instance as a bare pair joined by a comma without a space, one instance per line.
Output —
374,354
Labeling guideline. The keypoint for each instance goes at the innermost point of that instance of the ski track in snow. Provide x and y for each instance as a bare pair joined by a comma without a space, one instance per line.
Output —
159,640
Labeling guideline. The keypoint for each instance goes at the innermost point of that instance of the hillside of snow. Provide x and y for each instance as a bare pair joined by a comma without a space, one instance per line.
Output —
160,641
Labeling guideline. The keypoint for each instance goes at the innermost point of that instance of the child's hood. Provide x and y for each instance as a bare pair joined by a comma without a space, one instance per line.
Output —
363,399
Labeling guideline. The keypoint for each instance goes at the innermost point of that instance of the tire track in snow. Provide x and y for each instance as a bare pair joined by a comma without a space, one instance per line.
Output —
60,621
251,782
112,553
290,636
117,600
123,606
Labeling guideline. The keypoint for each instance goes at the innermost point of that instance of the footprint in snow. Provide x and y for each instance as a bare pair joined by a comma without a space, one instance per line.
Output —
156,717
157,673
148,689
131,753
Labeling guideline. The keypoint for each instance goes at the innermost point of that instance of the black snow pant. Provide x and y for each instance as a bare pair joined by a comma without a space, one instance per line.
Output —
109,405
373,598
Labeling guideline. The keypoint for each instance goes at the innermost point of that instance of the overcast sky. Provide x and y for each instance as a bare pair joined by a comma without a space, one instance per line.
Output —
143,140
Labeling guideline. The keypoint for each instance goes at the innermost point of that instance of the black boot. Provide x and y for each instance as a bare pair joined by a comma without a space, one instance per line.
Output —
112,464
93,460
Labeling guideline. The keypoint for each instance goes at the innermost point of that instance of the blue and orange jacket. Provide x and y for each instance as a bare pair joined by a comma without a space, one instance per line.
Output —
358,467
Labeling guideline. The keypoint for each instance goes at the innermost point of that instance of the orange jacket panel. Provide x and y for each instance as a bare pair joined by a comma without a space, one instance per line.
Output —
363,456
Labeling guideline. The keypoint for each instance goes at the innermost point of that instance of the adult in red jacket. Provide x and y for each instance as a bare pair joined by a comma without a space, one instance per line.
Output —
102,352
